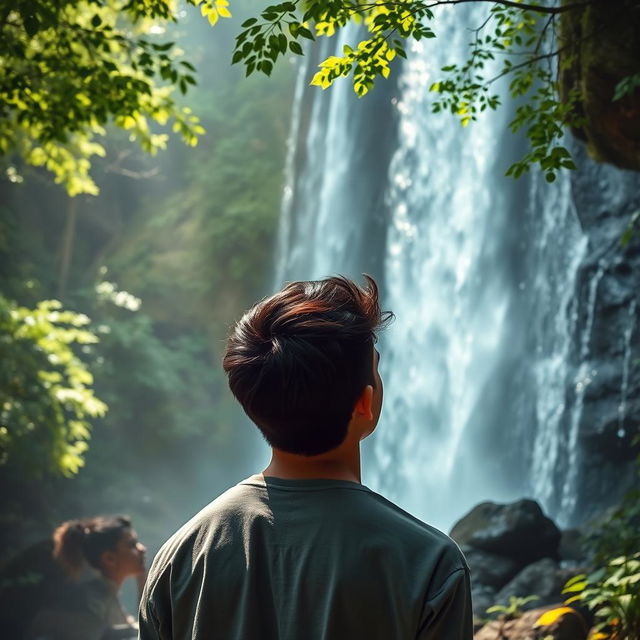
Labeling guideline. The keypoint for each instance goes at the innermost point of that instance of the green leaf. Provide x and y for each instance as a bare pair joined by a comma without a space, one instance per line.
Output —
305,33
578,583
31,24
164,46
626,86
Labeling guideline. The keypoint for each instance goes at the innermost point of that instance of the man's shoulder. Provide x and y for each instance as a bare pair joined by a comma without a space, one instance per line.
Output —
344,511
417,536
232,505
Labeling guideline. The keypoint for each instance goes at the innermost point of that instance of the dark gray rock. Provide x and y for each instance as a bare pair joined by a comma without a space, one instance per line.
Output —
490,569
482,598
518,530
543,578
572,549
607,337
608,435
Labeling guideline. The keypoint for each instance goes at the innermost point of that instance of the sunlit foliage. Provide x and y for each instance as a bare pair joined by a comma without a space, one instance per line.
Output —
68,69
190,233
612,593
523,36
46,399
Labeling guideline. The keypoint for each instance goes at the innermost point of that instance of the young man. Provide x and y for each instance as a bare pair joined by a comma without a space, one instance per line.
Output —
304,551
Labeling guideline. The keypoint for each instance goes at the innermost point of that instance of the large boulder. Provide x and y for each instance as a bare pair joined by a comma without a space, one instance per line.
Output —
490,569
519,531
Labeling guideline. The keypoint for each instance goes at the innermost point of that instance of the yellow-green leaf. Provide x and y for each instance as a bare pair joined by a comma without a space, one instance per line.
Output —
552,616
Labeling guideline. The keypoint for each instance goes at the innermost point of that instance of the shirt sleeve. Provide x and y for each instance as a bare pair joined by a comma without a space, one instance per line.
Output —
149,625
448,613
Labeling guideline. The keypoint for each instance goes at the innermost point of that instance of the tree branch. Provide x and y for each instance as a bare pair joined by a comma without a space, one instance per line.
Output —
527,63
543,33
518,5
506,3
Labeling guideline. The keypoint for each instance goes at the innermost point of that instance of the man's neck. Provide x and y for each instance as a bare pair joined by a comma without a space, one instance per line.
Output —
342,463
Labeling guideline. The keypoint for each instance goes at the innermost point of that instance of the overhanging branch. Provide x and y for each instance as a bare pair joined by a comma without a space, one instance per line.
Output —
518,5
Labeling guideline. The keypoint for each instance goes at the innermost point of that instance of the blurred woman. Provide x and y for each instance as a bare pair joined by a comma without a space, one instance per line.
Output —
88,607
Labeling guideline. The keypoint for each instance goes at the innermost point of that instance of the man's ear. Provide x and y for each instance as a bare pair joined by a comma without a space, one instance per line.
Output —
364,404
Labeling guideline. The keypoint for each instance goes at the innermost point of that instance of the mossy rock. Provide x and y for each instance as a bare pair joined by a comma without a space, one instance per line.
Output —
600,46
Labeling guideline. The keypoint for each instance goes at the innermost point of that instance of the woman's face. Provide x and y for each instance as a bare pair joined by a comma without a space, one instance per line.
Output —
127,559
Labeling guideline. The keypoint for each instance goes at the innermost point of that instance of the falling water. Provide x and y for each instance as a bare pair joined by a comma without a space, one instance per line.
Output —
554,270
479,270
584,377
443,271
329,201
626,360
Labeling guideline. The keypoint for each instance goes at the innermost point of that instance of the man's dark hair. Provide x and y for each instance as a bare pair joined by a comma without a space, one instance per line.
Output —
298,361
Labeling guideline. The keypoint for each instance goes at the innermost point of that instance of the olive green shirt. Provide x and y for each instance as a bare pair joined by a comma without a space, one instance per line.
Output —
274,559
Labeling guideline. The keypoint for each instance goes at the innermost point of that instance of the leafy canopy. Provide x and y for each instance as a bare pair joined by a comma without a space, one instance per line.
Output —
521,35
70,68
46,396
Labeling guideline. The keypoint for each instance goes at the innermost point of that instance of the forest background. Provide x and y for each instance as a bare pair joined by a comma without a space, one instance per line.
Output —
162,261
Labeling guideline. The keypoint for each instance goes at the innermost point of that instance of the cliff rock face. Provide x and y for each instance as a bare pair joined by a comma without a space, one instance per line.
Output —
608,329
600,46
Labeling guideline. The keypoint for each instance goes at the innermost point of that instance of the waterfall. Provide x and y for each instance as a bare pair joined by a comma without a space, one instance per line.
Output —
626,361
331,207
479,269
584,378
560,249
444,280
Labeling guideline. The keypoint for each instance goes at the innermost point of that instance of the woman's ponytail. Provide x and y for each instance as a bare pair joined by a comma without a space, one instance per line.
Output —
68,546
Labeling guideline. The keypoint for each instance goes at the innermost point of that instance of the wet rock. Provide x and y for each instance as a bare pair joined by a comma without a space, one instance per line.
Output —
543,579
519,531
611,434
569,626
605,343
603,380
482,598
572,546
490,569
